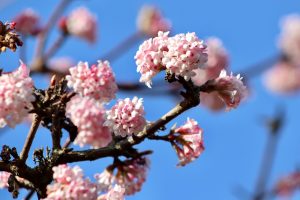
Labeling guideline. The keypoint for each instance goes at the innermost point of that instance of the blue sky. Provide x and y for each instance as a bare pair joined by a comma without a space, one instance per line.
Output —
234,140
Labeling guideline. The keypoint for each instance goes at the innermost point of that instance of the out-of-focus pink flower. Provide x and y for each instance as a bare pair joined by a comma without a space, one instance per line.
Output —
61,64
289,40
88,115
4,176
97,82
64,174
150,21
15,96
179,55
126,117
149,57
212,101
83,24
105,180
230,89
283,78
69,183
217,61
187,140
115,193
287,185
27,22
186,52
132,174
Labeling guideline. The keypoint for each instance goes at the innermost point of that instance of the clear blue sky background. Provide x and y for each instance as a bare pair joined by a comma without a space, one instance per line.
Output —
234,140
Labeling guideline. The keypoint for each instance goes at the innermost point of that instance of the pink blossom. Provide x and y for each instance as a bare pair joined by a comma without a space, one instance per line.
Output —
126,117
82,23
115,193
105,180
69,183
149,57
188,142
230,89
212,101
97,82
27,22
4,176
88,115
132,174
289,40
217,61
15,96
186,52
150,21
179,55
287,185
283,78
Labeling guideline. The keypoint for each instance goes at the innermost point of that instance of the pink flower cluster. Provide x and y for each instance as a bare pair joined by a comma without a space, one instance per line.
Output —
287,185
289,40
4,176
15,96
115,193
187,140
150,21
27,22
230,89
217,61
131,175
82,23
126,117
179,55
283,78
69,183
97,82
88,115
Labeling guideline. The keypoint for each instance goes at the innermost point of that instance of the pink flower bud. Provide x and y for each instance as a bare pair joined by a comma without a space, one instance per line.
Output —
188,142
27,22
150,21
83,24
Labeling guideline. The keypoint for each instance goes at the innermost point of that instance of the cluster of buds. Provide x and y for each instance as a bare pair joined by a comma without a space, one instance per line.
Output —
8,37
178,55
130,175
187,140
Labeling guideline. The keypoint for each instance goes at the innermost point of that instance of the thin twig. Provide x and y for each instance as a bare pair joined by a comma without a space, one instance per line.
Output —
122,47
29,195
51,22
34,126
274,126
56,45
22,50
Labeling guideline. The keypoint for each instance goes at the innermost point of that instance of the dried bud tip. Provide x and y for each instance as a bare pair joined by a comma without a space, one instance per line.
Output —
53,81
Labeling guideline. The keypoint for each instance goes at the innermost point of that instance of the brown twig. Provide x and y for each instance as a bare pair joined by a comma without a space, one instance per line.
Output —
118,148
34,126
